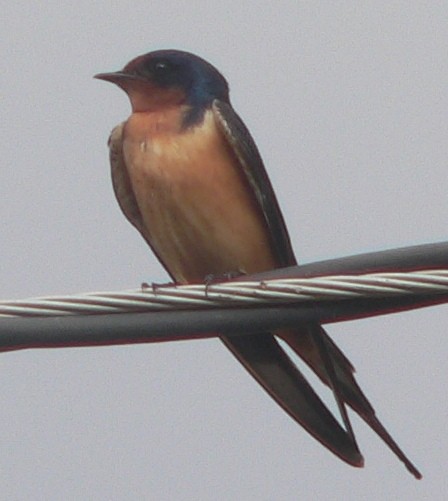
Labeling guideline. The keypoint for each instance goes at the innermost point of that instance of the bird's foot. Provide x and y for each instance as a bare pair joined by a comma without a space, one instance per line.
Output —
213,278
154,286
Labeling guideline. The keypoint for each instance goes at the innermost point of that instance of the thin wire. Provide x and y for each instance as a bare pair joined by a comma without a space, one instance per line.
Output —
234,294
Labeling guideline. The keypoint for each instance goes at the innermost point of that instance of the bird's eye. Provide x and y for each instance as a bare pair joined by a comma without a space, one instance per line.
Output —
161,72
161,67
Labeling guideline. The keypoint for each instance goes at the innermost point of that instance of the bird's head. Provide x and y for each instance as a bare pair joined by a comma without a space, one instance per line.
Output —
169,78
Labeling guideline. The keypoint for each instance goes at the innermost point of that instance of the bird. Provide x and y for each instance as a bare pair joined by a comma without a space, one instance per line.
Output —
189,177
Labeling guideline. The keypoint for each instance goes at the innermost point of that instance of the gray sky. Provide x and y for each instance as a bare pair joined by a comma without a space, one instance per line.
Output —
347,102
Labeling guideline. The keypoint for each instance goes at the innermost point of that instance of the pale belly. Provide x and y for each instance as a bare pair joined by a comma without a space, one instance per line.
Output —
198,212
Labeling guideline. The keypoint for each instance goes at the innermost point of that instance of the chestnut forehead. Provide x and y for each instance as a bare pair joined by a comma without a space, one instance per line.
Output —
137,62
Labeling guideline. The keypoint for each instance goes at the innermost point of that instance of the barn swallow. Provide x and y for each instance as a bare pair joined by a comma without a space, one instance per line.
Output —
188,175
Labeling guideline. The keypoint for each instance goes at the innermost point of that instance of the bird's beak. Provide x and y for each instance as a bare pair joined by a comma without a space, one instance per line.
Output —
118,77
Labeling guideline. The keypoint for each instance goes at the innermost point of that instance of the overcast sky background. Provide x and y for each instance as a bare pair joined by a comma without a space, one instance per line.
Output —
348,103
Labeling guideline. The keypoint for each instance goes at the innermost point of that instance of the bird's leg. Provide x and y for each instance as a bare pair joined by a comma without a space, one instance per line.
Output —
154,286
213,278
